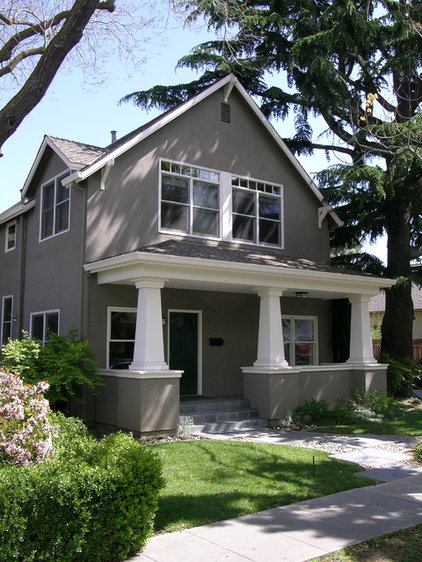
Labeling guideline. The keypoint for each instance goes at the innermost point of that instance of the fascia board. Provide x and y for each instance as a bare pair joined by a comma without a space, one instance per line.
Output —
131,266
47,142
91,169
20,211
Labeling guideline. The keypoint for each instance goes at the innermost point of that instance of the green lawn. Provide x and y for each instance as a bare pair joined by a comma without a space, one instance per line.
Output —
210,481
409,423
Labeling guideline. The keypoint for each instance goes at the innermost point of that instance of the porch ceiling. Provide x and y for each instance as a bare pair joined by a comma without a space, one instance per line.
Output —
242,273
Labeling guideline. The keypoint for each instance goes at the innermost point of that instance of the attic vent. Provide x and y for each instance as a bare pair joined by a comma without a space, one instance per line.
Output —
225,113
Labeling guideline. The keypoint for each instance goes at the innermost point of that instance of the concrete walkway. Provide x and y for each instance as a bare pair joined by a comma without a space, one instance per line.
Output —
312,528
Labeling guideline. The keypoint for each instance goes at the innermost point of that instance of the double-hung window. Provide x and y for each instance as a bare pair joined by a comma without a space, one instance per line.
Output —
42,323
6,319
189,201
256,211
55,208
299,335
10,241
121,324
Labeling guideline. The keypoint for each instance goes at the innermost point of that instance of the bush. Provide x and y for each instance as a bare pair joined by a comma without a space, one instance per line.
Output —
66,362
94,501
24,425
418,452
313,412
401,375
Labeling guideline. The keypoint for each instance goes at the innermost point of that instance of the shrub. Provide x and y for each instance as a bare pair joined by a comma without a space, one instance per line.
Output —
66,362
24,424
313,412
401,375
94,501
418,452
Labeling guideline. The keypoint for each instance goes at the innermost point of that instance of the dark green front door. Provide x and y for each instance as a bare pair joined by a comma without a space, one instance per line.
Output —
184,349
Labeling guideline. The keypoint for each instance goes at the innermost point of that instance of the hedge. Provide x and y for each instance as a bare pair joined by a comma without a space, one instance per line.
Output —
95,501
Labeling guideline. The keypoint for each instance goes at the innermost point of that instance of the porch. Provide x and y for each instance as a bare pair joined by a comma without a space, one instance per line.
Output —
145,398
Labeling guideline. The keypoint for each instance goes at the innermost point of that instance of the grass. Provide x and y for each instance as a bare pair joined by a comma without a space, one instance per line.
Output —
402,545
210,481
408,423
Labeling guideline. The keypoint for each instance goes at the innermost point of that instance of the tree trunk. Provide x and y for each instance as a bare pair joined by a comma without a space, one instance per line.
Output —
396,330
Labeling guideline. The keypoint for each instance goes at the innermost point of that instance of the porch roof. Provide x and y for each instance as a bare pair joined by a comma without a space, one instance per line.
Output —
219,267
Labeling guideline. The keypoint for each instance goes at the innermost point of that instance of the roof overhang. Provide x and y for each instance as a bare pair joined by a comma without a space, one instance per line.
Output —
47,142
215,275
16,210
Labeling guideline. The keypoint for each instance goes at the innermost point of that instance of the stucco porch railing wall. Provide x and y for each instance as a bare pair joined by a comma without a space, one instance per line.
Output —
276,394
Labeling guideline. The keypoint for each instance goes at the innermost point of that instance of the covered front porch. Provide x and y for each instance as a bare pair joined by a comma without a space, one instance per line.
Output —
257,356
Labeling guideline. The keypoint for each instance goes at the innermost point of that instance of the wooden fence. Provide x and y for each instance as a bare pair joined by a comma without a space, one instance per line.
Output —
417,348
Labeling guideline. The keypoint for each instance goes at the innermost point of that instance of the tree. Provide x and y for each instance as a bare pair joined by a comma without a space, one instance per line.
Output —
37,37
357,65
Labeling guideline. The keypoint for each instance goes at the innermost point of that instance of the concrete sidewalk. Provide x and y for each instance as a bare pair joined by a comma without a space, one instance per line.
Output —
312,528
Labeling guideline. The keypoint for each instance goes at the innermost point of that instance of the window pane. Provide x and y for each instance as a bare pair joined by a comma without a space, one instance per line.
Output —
244,228
47,223
304,354
205,222
62,217
174,189
37,327
120,355
52,322
304,330
48,197
269,207
205,195
62,193
286,329
243,202
123,325
174,216
287,347
269,232
11,236
7,309
165,166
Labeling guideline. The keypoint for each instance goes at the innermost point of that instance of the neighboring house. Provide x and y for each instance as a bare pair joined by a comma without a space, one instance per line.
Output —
191,253
377,309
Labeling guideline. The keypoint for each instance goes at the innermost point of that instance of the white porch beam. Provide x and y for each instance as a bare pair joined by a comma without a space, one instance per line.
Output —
361,350
148,353
270,332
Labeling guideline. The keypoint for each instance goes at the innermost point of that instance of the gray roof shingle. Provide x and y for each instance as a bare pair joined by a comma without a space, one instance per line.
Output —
77,152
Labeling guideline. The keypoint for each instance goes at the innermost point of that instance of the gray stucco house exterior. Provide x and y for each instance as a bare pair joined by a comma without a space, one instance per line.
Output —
192,254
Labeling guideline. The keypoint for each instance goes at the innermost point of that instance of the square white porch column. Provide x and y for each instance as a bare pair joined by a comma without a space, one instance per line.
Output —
270,333
361,350
148,353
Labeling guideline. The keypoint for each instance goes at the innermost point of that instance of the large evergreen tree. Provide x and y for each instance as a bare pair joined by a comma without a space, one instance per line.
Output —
357,65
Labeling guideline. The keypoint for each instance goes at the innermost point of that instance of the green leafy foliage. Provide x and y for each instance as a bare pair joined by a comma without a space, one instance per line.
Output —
94,501
418,452
401,375
66,362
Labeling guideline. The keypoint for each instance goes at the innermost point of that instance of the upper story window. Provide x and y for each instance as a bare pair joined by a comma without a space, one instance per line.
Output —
6,319
215,204
41,323
190,200
55,208
256,211
10,241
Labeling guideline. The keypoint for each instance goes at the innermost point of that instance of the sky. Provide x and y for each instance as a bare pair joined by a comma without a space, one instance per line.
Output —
74,111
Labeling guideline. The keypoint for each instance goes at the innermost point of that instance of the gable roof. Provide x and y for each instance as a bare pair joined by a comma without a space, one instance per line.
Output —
377,303
16,210
75,155
126,142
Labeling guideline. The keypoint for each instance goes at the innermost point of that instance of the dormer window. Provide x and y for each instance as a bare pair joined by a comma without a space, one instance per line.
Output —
10,242
55,208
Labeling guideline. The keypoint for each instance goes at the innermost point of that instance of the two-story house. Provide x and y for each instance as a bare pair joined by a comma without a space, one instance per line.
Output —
192,254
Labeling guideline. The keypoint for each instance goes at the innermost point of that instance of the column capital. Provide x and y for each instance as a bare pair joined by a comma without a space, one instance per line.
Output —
150,283
268,291
356,299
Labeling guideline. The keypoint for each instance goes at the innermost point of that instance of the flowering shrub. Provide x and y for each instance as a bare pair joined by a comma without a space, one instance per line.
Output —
24,426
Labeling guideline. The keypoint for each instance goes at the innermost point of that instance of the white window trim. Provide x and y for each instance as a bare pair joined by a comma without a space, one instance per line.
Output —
2,317
44,313
199,366
8,226
111,309
292,318
54,180
225,206
256,192
190,204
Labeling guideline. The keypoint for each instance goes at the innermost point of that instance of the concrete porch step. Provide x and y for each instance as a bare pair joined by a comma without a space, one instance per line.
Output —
210,405
219,411
229,426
